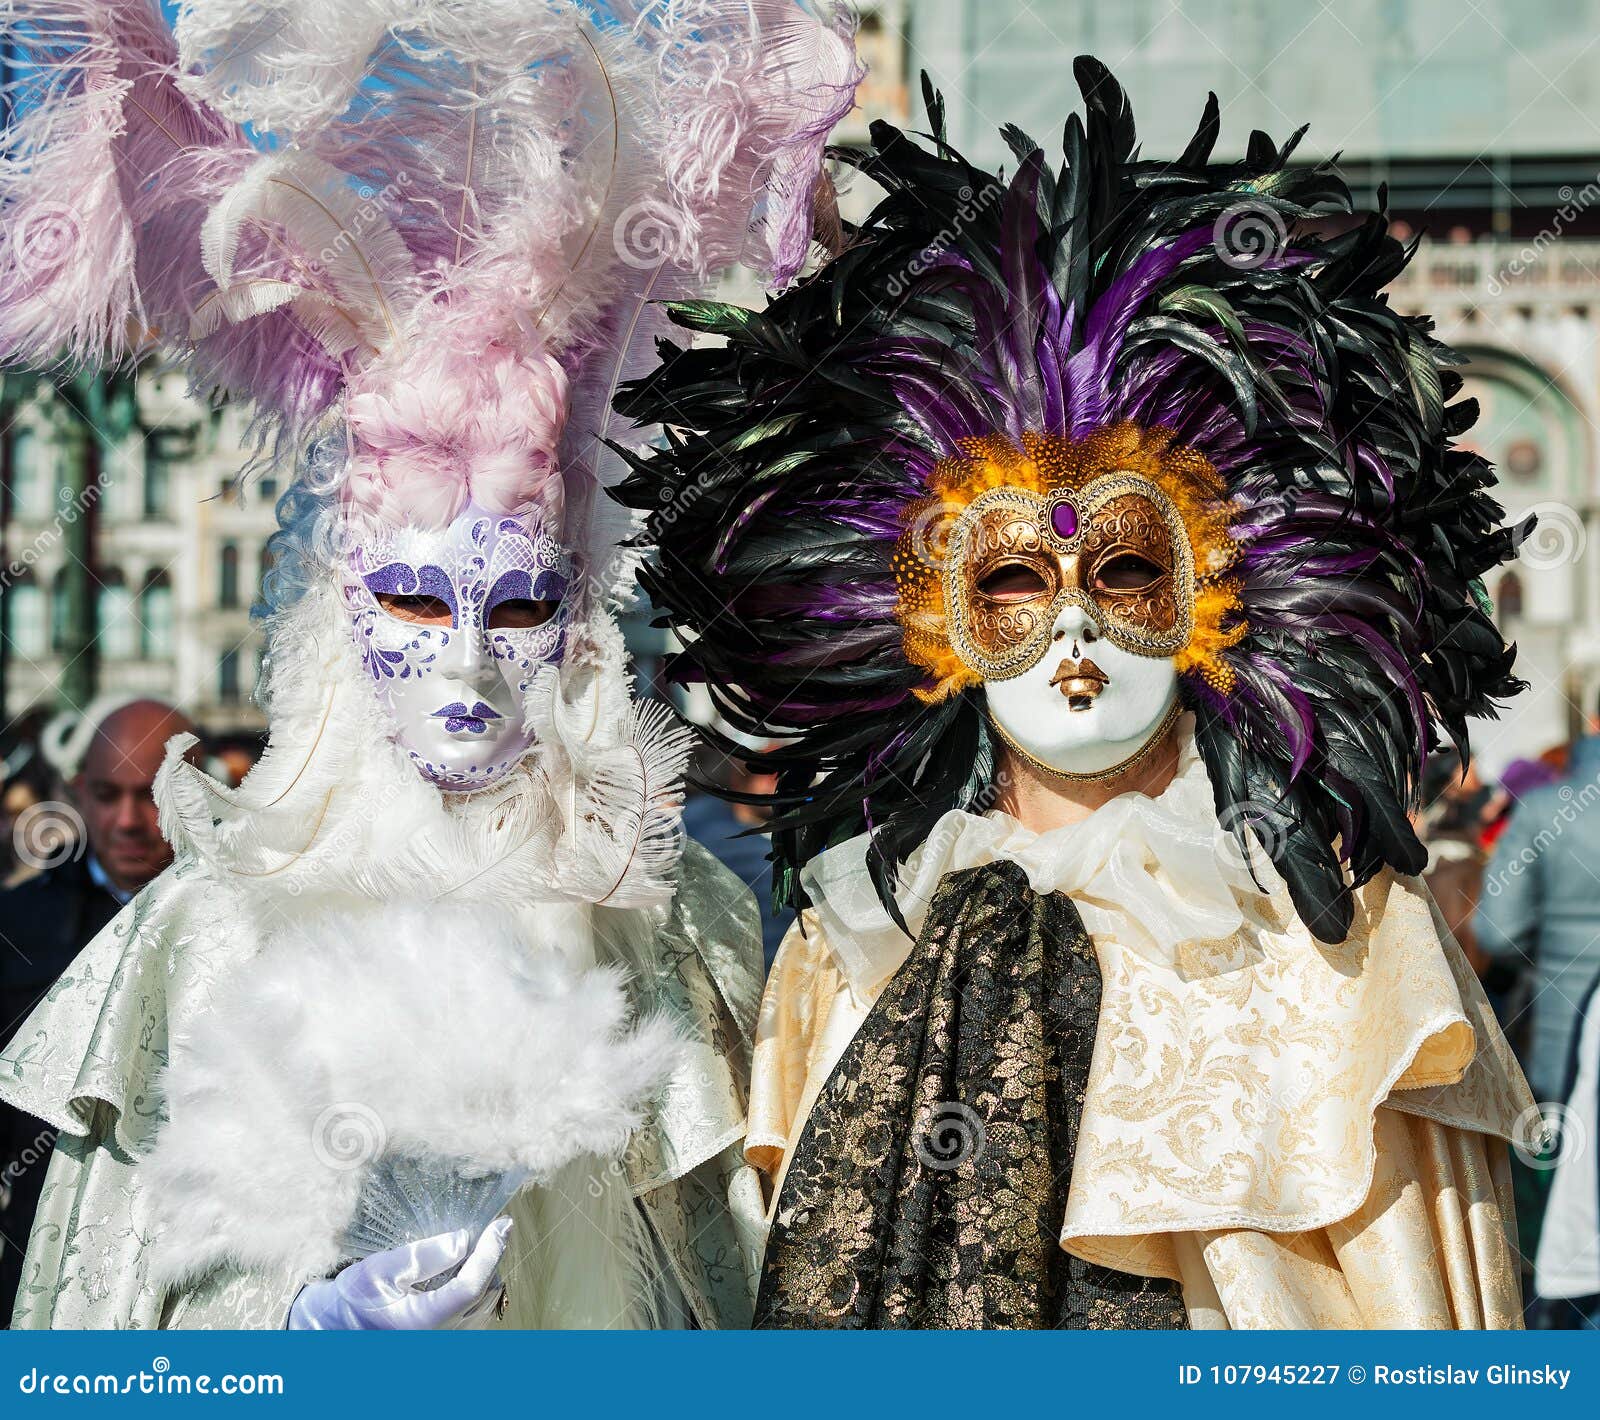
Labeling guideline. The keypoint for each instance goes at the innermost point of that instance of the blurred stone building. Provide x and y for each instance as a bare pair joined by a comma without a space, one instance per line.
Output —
176,551
1483,123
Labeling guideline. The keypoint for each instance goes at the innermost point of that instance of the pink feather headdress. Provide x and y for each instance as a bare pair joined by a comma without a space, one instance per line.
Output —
443,222
455,423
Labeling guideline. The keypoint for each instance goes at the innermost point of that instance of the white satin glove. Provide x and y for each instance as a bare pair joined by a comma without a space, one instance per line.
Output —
379,1293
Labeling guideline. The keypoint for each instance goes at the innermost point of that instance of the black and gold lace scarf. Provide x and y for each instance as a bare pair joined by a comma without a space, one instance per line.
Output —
929,1184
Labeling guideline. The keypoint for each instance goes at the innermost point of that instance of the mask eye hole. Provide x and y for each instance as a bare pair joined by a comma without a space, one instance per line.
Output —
1013,582
519,613
1126,572
423,611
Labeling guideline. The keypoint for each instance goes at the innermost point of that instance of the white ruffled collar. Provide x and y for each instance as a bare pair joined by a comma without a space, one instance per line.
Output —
1153,874
335,810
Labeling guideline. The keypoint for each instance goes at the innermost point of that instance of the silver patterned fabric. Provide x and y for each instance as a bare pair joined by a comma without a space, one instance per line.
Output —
88,1061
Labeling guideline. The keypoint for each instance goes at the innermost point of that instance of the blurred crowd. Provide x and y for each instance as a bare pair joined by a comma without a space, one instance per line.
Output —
1514,865
79,835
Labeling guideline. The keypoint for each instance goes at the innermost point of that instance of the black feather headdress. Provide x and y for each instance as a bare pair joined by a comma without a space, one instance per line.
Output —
1237,310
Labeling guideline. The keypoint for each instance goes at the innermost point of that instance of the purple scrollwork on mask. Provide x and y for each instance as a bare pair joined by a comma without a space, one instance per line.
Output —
453,625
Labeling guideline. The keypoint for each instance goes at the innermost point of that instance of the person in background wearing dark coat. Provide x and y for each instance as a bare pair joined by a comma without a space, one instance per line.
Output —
734,833
1567,1268
47,919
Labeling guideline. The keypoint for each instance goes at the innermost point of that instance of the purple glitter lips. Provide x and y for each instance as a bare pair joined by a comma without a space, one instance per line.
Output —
459,720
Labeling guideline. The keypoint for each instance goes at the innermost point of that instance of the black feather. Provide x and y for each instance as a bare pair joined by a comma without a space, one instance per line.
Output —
794,449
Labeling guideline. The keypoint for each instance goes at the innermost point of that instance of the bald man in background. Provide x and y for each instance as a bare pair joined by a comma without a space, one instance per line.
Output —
48,919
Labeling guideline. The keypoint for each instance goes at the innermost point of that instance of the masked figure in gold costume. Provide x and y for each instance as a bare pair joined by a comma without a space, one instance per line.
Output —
1094,550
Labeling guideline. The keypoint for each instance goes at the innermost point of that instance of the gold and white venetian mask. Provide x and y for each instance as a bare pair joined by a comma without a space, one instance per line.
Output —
1075,580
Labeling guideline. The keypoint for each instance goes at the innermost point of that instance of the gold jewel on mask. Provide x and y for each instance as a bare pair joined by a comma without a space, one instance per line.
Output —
1123,523
1112,771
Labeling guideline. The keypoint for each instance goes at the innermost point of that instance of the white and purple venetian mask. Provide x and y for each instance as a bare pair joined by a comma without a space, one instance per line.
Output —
453,624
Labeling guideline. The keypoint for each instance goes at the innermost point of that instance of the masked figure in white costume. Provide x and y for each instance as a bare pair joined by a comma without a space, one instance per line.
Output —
1093,548
435,1021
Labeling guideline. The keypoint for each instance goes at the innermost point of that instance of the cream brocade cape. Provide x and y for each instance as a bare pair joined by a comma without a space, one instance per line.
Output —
334,830
1303,1135
89,1060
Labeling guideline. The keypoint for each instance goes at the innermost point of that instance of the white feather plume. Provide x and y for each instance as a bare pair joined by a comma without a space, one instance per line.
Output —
282,66
352,257
616,766
534,169
484,1037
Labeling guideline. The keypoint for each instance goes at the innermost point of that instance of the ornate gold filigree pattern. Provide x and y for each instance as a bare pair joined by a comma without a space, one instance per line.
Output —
929,1184
1133,523
1010,528
1063,510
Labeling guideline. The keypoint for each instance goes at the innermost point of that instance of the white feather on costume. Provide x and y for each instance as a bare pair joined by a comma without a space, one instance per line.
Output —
281,67
544,170
382,899
469,1033
334,807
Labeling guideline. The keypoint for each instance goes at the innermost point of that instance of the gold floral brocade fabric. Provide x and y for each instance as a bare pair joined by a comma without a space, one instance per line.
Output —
928,1186
1301,1135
